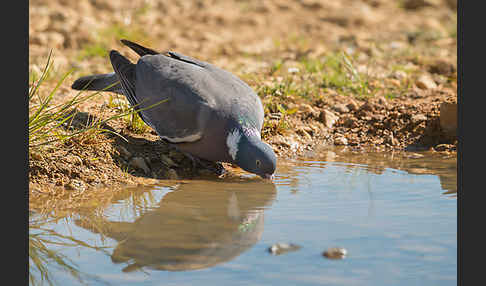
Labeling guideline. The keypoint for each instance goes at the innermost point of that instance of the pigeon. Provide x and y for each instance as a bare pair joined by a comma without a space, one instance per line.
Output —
205,112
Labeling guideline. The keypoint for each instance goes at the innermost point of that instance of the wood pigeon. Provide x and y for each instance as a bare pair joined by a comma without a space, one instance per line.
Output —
208,112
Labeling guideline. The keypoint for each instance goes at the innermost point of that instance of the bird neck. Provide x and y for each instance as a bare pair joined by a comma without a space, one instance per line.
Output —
240,136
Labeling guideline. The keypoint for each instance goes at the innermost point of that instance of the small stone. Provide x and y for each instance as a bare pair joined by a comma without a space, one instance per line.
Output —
139,163
172,174
335,253
352,105
390,139
75,185
123,151
350,122
307,108
304,134
414,155
416,118
293,70
442,147
280,248
167,161
399,75
341,108
340,141
55,40
425,82
448,118
328,118
442,67
418,4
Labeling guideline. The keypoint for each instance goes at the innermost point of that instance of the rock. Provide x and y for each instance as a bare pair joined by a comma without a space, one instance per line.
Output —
390,139
280,248
75,185
368,106
123,152
418,4
350,122
443,147
352,105
293,70
139,163
167,161
442,67
414,155
304,134
425,82
172,174
452,4
335,253
55,40
448,118
328,118
341,108
340,141
399,75
308,109
417,118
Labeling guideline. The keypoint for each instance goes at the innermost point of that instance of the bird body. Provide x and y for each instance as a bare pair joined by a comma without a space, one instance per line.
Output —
207,111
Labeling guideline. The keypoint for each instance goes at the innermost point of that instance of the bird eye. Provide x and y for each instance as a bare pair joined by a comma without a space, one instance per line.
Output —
258,163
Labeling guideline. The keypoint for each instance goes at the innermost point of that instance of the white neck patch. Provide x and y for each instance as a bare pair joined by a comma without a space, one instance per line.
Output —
232,142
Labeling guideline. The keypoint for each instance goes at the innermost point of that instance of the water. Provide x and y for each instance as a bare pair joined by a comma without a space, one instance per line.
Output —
395,214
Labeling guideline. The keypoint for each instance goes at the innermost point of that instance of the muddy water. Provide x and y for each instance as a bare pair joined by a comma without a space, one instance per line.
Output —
395,214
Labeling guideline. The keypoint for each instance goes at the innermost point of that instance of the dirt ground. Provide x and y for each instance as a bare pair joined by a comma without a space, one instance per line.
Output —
370,75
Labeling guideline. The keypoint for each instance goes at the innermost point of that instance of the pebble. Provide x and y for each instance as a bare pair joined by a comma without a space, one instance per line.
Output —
335,253
340,141
418,4
442,147
399,75
304,134
167,161
328,118
352,105
172,174
280,248
414,155
448,118
416,118
123,151
139,163
425,82
75,185
307,108
293,70
341,108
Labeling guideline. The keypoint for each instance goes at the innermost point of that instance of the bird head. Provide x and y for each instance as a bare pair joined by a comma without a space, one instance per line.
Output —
251,154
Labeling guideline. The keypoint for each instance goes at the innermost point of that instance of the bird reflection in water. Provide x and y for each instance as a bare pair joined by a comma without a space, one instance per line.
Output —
198,225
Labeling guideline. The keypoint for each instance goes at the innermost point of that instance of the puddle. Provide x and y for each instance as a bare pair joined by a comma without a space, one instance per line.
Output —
394,214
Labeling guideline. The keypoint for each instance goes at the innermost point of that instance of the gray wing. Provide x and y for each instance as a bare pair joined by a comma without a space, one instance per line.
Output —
190,102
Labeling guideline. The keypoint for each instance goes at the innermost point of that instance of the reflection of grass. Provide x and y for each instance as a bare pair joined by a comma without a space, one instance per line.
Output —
42,256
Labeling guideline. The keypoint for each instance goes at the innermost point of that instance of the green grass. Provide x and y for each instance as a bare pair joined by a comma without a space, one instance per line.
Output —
49,122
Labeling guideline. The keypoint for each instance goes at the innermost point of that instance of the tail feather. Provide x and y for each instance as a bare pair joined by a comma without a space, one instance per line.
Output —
125,71
140,50
105,82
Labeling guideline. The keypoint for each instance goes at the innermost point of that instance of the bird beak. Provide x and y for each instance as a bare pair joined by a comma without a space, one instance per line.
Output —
268,176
